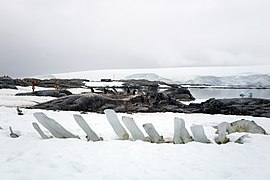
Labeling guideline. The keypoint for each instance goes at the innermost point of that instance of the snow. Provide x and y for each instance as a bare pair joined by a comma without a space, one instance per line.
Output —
30,157
116,159
8,98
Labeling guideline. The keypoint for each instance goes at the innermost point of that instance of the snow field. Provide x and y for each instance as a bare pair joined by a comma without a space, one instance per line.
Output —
30,157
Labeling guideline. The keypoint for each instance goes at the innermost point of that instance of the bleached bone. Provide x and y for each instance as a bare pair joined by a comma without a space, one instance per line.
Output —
198,134
177,132
91,135
222,130
151,131
181,134
116,125
12,134
41,133
245,126
54,127
241,138
136,133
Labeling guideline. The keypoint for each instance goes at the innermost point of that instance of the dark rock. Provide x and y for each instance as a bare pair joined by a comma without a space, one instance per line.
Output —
235,106
98,102
52,93
60,83
84,102
107,106
9,83
182,94
120,109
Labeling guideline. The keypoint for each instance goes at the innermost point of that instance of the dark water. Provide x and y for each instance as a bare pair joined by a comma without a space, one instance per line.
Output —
207,93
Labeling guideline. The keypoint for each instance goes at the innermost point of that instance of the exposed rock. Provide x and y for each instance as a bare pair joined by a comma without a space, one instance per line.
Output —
152,88
61,83
182,94
91,102
52,93
9,83
235,106
84,102
156,102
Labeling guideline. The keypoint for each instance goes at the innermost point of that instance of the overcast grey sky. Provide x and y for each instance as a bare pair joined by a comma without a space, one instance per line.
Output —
51,36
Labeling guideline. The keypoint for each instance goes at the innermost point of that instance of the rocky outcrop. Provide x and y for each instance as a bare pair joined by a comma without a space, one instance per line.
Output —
92,102
9,83
160,103
235,106
61,83
153,88
182,94
52,93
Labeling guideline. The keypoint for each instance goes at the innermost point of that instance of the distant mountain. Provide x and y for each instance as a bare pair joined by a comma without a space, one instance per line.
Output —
148,76
254,80
257,80
219,76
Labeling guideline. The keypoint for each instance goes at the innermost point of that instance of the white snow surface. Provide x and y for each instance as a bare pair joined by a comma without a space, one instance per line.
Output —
8,98
29,157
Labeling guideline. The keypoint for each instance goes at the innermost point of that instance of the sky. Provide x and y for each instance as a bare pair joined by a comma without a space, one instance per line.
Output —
54,36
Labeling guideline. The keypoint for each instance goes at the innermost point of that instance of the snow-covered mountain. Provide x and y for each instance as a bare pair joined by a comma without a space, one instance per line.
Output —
237,75
148,76
257,80
254,80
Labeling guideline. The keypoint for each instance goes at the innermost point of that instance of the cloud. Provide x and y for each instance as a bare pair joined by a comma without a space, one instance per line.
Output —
40,37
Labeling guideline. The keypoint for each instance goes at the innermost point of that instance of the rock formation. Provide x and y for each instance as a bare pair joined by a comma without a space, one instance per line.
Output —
52,93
